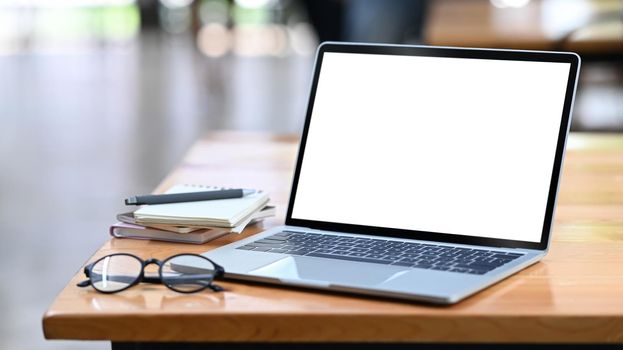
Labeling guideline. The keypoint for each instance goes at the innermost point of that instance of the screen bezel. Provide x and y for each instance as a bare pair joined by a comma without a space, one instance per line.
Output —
449,52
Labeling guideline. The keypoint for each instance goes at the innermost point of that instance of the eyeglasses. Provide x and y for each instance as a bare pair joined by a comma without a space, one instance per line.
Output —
184,273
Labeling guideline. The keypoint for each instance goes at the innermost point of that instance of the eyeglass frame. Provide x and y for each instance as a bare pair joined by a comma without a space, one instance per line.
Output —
219,272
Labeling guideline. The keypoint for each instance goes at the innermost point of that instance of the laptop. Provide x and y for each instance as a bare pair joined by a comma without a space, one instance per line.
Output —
424,173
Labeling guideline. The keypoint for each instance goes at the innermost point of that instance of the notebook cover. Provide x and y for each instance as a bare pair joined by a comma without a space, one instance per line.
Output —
221,212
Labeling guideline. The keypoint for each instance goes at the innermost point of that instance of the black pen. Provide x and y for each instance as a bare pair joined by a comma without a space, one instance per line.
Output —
187,197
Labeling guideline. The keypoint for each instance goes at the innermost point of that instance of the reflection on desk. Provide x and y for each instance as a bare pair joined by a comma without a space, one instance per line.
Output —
154,300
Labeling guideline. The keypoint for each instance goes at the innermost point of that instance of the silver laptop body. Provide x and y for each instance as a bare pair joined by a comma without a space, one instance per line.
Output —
424,173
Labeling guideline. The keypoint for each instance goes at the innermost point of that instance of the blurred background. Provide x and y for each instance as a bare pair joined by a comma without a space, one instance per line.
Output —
99,99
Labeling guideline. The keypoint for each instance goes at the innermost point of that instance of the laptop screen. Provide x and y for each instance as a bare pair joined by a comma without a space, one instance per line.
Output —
460,146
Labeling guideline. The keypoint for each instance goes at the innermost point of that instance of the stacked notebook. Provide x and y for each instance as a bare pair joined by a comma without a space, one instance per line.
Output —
193,222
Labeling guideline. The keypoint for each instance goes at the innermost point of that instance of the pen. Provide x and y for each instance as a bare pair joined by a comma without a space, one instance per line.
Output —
187,197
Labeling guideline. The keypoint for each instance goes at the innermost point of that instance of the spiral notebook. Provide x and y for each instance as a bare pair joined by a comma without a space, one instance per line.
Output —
217,213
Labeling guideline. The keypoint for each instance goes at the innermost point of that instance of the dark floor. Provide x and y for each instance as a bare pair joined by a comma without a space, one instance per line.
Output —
81,131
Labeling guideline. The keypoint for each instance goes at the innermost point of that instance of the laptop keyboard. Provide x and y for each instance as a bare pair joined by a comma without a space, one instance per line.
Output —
379,251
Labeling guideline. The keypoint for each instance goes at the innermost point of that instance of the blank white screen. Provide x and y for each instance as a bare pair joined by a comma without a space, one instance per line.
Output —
449,145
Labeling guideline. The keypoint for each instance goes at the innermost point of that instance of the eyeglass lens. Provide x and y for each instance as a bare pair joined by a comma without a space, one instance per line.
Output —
187,273
115,272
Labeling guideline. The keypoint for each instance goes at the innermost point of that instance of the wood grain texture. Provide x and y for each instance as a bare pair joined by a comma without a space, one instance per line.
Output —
572,296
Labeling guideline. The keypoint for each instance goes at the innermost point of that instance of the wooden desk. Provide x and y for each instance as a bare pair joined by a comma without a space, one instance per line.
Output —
574,296
585,26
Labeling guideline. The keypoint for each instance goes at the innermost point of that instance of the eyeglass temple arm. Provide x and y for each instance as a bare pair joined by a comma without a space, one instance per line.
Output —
216,287
119,278
189,278
122,279
83,284
86,282
150,279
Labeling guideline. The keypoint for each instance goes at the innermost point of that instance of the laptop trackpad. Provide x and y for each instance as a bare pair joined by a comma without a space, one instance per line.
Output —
326,271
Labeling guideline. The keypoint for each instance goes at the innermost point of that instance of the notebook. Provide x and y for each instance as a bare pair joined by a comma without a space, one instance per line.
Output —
128,218
125,230
219,213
